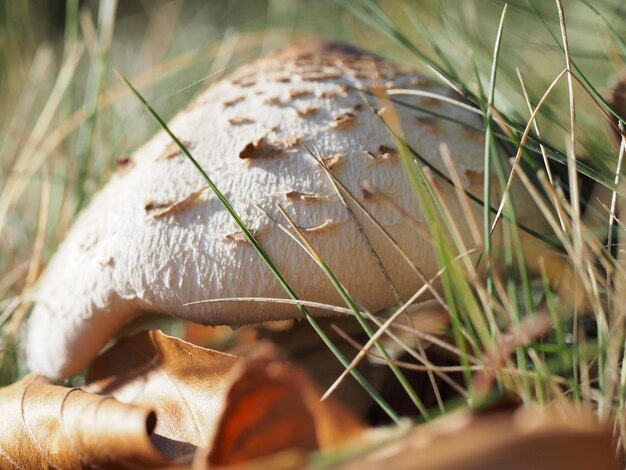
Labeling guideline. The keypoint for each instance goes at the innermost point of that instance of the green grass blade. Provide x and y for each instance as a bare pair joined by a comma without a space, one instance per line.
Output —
362,321
488,152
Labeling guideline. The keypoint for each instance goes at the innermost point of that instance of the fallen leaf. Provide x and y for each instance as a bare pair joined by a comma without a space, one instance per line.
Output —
183,383
152,400
274,407
525,438
48,426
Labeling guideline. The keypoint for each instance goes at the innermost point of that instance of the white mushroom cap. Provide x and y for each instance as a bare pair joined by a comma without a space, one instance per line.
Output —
154,238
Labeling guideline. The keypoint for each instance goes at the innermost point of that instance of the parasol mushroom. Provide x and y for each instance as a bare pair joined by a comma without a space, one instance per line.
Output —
155,239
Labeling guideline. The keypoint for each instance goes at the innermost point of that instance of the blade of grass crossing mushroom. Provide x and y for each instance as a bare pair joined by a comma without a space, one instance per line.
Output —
552,152
380,227
363,235
333,308
377,335
488,151
419,158
451,279
357,313
270,264
455,286
439,97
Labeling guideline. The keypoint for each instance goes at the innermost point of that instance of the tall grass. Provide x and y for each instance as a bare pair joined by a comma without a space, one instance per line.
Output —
580,356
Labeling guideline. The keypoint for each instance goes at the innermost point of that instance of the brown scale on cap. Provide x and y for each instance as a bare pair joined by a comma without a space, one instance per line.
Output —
237,237
265,148
172,150
430,123
299,93
334,161
307,112
273,101
158,210
262,148
124,164
305,197
344,121
238,121
233,101
384,153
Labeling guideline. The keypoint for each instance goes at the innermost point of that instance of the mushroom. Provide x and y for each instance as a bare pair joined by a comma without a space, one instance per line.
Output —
155,239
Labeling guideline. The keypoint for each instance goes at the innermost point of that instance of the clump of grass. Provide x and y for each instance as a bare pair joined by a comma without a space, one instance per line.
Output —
581,356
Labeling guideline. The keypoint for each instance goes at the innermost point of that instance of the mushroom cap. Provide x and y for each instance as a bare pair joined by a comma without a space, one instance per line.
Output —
155,239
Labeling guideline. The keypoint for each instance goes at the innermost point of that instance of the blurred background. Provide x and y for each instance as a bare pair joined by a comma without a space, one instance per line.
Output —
65,118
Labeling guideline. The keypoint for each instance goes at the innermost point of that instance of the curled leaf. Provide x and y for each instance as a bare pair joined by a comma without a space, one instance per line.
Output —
524,438
48,426
274,407
183,383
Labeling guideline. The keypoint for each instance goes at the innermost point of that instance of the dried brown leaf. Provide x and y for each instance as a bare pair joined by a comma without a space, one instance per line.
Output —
153,400
275,407
48,426
183,383
523,439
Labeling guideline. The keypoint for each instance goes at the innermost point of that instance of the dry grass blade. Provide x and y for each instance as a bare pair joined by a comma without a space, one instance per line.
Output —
446,156
541,146
381,330
426,94
520,149
571,162
362,321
